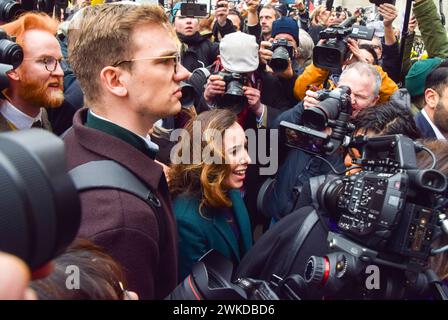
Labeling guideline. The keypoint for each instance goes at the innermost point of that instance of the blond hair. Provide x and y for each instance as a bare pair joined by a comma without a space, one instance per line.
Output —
102,36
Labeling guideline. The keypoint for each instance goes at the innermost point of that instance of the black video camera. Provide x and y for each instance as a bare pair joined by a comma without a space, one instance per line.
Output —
11,56
388,214
233,98
282,52
332,54
333,111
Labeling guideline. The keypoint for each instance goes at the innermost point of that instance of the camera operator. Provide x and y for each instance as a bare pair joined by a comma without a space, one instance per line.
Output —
128,67
297,166
315,77
38,82
279,63
196,50
432,119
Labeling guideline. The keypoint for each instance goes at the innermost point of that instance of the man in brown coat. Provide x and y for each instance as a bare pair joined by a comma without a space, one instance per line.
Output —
126,60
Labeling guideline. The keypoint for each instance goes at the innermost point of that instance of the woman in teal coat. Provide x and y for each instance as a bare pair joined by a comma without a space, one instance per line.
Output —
210,165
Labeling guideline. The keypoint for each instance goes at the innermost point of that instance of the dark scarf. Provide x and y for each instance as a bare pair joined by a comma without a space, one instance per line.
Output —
190,40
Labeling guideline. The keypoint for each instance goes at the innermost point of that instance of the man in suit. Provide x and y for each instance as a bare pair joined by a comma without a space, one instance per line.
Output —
432,119
37,83
130,74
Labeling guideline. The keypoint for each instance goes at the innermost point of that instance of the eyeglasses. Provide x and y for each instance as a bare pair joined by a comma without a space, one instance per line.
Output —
51,63
175,58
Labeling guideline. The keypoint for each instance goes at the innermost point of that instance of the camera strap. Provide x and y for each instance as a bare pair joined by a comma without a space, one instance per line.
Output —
108,174
298,241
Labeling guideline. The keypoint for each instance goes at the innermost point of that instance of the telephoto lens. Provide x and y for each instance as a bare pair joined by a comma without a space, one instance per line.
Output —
40,210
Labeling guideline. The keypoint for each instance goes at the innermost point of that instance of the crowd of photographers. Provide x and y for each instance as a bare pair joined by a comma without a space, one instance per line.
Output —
116,80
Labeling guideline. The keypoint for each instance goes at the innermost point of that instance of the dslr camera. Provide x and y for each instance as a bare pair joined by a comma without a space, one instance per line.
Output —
282,52
332,54
334,111
234,98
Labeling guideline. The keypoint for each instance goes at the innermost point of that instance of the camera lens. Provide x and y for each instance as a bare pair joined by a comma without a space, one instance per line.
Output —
39,205
329,193
234,98
188,95
279,60
317,270
330,55
10,53
9,10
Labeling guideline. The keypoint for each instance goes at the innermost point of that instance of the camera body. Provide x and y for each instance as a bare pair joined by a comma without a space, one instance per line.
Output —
332,54
233,98
331,104
282,51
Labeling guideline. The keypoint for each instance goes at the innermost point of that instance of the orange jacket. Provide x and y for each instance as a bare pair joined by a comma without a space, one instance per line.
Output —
315,76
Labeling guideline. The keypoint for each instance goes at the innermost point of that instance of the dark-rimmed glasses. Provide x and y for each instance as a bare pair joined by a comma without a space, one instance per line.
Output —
51,63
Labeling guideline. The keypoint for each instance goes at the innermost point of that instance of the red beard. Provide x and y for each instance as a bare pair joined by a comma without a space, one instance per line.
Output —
40,95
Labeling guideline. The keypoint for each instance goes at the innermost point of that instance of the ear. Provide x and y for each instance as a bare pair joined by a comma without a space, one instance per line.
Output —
13,75
431,98
114,81
376,100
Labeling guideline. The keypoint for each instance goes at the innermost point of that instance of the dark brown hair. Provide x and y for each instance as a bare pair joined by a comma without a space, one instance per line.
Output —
100,276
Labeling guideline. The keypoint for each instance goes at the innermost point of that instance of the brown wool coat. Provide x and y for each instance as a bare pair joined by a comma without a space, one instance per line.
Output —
122,223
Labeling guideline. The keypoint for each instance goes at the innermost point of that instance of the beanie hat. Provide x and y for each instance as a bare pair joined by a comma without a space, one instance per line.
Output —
239,52
416,77
286,25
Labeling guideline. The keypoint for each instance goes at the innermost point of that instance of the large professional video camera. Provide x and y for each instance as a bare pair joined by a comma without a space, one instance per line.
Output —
11,56
40,211
332,54
389,214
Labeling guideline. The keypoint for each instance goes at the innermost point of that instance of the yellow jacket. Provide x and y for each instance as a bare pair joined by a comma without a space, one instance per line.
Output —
314,76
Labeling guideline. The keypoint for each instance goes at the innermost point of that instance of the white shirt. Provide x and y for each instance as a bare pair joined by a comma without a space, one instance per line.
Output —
151,145
19,119
439,135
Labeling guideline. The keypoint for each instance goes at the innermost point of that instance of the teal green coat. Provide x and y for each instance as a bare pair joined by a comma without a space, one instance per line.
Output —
198,234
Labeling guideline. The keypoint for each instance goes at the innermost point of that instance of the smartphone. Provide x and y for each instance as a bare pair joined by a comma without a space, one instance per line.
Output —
196,10
329,4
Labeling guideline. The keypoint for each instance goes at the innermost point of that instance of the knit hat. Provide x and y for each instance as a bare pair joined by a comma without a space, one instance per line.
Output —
286,25
239,52
174,11
416,77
